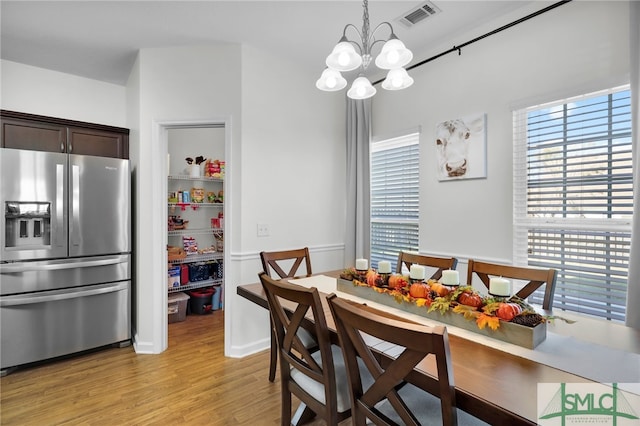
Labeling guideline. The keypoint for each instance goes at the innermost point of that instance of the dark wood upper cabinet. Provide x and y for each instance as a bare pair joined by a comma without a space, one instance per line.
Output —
32,135
99,143
41,133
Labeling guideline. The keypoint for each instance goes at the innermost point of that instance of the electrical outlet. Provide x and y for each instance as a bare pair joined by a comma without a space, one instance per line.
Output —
263,230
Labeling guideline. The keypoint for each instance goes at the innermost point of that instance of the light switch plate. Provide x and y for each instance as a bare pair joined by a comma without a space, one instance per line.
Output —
263,230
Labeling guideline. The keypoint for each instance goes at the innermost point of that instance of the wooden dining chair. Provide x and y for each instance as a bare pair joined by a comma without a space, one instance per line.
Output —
440,263
291,260
391,400
536,278
317,378
278,262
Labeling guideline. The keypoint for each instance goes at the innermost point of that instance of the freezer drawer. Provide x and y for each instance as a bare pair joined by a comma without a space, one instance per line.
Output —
44,325
27,277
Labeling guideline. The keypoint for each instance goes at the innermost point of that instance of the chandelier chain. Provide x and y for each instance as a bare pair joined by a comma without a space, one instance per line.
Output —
365,26
366,48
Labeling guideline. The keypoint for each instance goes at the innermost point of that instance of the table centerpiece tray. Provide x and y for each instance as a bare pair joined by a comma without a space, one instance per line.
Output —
521,335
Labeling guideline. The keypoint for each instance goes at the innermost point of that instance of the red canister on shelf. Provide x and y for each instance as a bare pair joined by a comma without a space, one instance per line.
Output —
184,274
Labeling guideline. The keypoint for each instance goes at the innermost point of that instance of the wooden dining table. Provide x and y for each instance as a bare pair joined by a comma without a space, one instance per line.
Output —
493,385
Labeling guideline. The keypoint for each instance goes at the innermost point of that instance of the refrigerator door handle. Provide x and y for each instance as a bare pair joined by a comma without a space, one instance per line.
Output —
29,267
75,205
61,295
59,234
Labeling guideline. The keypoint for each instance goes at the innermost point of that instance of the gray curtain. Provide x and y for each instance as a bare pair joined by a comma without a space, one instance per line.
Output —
357,239
633,288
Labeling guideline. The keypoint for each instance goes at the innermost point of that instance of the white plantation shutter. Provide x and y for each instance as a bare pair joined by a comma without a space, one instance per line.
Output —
573,198
395,164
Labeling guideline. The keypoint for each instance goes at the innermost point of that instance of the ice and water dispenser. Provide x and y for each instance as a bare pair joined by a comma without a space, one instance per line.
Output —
27,224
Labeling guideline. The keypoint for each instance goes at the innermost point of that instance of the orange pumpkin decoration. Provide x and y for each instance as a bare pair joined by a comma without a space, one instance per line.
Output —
397,281
372,277
470,299
440,290
507,311
419,290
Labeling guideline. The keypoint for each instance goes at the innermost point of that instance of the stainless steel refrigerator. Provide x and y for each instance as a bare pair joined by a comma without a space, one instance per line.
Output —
65,260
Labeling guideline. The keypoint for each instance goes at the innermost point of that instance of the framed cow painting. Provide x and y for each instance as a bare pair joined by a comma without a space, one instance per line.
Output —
461,148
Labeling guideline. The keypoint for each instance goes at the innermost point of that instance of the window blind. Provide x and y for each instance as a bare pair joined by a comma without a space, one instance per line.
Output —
395,191
573,198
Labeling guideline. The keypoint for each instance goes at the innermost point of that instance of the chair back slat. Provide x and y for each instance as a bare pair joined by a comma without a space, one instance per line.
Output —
417,341
440,263
291,343
278,261
534,277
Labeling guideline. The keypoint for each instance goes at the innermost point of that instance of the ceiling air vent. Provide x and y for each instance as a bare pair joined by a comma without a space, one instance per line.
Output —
419,13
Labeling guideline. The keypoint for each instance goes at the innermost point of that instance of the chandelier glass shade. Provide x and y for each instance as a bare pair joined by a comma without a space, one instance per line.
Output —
349,55
331,81
361,88
397,79
344,57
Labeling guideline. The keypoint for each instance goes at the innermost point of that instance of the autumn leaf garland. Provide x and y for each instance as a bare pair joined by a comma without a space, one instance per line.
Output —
485,317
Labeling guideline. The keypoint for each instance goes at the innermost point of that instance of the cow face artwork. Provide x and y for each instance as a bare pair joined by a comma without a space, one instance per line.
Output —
455,141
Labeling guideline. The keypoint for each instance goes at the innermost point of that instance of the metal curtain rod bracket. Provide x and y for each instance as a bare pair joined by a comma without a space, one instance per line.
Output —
497,30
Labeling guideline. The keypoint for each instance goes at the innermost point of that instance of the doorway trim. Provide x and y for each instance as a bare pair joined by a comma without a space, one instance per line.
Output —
159,174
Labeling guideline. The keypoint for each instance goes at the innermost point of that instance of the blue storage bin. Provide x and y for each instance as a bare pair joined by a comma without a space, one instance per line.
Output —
198,271
215,299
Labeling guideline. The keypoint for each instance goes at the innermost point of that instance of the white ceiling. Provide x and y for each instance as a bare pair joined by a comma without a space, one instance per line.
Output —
99,39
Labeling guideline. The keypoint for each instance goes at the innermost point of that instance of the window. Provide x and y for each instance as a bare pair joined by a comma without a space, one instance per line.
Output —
573,198
394,197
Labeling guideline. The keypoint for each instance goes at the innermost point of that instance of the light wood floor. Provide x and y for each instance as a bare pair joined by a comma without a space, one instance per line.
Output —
191,383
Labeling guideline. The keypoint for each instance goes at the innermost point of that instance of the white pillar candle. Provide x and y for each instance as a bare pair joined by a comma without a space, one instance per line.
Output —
417,272
500,287
450,277
362,264
384,267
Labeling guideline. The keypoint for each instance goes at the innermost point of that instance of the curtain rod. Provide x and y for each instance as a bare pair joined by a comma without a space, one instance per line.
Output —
497,30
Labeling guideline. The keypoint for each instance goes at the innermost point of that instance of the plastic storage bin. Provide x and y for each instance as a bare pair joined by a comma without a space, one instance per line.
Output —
177,306
198,271
201,301
215,270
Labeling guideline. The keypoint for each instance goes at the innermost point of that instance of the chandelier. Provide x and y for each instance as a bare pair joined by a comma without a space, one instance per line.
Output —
393,57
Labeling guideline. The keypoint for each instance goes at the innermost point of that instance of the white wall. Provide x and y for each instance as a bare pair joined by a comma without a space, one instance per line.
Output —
577,47
138,301
292,179
39,91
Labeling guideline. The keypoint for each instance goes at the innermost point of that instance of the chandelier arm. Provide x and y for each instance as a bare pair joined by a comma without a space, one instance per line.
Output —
355,43
391,35
346,27
373,41
381,40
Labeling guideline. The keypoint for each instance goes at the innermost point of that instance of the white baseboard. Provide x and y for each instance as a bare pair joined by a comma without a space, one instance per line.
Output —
250,349
145,347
